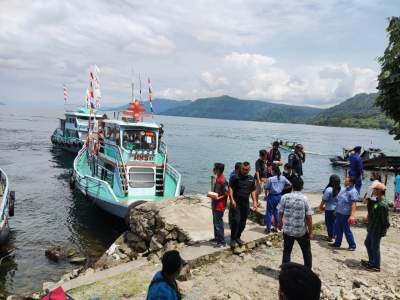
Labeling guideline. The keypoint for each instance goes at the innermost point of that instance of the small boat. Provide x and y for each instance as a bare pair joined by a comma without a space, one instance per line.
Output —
73,130
6,206
125,163
372,158
287,145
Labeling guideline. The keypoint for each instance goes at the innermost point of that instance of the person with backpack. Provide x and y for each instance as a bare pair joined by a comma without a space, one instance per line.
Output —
164,285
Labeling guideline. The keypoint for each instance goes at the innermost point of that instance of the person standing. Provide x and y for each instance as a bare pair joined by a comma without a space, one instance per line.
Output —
164,285
218,204
273,193
396,203
295,218
345,214
261,173
329,202
235,171
356,167
240,188
274,157
378,223
288,173
296,159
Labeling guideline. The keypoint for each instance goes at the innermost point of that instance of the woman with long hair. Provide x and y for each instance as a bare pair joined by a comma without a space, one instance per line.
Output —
329,202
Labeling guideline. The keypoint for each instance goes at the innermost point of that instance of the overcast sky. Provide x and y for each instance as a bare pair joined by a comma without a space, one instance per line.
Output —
298,52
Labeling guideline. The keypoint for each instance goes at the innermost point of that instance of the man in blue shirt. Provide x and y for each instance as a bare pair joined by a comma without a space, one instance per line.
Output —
163,285
345,214
356,167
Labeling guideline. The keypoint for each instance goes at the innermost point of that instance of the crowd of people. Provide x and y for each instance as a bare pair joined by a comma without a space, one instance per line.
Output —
289,210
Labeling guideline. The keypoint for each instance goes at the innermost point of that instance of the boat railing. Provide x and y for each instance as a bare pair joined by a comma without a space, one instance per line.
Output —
165,152
120,163
96,181
4,184
176,176
163,148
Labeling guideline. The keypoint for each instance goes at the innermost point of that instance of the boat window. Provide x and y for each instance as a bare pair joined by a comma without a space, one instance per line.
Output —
139,140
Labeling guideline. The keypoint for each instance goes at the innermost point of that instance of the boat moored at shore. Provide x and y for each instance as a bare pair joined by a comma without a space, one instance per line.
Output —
125,163
6,206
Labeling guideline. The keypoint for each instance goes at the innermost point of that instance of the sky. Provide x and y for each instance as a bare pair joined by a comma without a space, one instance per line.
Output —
300,52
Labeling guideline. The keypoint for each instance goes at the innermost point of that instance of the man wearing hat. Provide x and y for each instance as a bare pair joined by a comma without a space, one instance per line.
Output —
378,223
356,167
164,286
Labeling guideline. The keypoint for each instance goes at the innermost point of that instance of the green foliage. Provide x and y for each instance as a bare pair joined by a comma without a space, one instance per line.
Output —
358,111
230,108
389,78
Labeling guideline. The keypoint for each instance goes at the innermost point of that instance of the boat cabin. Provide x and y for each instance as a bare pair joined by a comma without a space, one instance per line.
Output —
76,123
135,147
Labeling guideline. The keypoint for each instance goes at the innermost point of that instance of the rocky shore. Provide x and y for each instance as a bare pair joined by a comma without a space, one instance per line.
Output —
185,223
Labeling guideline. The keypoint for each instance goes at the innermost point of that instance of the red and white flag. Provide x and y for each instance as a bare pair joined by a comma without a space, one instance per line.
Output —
65,94
150,95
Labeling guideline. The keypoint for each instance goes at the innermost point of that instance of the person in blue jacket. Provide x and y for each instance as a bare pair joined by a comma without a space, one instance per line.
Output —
163,285
356,167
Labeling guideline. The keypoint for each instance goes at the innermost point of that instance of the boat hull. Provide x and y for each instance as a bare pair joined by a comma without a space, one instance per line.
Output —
101,194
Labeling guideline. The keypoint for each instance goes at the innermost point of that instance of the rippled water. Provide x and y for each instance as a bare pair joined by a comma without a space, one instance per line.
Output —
48,212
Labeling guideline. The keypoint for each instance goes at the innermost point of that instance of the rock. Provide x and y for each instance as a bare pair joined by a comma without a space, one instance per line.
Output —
182,237
130,237
269,244
162,235
239,250
358,283
55,253
15,297
125,249
112,249
140,247
77,260
47,285
173,235
71,252
89,271
154,244
251,245
169,227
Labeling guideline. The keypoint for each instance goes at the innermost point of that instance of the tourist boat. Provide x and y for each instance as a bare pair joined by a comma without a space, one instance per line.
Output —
287,145
6,206
125,163
73,130
372,158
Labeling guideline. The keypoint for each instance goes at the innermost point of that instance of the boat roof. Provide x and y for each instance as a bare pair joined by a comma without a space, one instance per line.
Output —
83,112
133,124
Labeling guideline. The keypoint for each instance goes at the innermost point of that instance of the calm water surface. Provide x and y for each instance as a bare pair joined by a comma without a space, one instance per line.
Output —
48,212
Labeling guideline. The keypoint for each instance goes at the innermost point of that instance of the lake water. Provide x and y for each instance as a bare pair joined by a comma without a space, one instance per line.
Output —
48,212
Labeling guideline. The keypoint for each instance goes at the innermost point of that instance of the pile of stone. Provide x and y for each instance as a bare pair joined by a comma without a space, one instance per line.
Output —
360,290
152,232
395,221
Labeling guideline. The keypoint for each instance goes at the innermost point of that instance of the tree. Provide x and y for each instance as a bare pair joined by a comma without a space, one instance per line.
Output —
389,79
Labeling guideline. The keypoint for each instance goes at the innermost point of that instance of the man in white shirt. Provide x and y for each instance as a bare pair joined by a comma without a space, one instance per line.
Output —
295,218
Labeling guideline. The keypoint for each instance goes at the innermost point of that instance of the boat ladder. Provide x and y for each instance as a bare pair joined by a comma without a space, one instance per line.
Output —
160,181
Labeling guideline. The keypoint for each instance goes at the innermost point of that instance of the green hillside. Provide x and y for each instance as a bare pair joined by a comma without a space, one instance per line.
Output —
226,107
358,111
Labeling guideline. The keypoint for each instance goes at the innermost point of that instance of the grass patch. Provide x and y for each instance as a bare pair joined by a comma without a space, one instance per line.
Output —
122,285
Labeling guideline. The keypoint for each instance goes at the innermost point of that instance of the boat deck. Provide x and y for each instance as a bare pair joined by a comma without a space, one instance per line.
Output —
170,186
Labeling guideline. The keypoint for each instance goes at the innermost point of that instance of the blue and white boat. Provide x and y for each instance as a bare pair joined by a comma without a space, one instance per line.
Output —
6,206
73,130
125,164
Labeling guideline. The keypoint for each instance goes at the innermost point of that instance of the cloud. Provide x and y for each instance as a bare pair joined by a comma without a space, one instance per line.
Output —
299,51
256,76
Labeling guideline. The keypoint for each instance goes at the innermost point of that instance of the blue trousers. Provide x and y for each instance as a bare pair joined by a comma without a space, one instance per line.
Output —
358,184
372,243
330,222
342,226
272,203
218,226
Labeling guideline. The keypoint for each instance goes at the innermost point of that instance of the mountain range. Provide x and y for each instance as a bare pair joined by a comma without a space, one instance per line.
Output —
358,111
